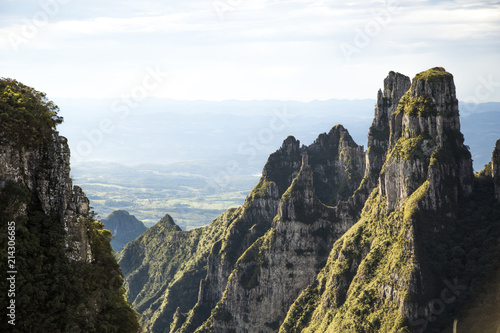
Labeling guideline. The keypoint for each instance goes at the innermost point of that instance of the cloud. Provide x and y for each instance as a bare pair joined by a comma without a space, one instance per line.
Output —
261,45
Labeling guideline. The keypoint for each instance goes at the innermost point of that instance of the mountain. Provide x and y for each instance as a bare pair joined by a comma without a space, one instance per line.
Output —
62,273
124,227
402,237
237,139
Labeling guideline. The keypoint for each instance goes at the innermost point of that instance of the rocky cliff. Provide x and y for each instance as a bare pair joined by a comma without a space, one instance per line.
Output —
67,279
44,172
404,265
335,167
334,238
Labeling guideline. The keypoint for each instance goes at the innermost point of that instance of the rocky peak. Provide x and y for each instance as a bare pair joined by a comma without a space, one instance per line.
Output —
425,142
337,164
300,197
124,227
395,86
290,146
437,84
283,165
430,106
168,223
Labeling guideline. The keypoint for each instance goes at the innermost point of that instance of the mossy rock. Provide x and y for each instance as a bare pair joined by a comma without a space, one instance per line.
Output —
423,106
434,75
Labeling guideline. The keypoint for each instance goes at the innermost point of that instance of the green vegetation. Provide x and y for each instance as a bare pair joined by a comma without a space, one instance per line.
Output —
408,149
423,106
248,266
433,75
411,204
468,250
150,194
26,116
53,293
347,299
380,254
164,267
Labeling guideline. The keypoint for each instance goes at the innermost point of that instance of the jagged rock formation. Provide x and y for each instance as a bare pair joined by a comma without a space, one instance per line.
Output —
67,278
336,167
395,86
385,274
336,239
124,227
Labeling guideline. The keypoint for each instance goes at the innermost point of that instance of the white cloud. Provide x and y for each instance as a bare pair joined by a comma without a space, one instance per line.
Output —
286,49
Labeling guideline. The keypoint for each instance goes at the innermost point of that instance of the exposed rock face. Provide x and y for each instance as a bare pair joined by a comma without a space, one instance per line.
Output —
338,165
278,266
44,170
395,86
283,165
300,236
335,239
383,274
426,122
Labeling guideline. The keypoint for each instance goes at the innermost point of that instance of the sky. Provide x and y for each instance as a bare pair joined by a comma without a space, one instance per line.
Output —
300,50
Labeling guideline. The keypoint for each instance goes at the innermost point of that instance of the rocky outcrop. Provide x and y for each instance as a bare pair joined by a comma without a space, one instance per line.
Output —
425,143
44,170
278,266
336,167
395,86
163,268
384,274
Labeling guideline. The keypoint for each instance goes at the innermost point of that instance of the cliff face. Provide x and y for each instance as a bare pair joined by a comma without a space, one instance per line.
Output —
275,268
44,171
395,86
67,278
336,239
390,271
335,169
425,143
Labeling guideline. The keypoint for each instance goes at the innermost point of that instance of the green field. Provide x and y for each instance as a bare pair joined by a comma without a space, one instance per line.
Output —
152,194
